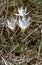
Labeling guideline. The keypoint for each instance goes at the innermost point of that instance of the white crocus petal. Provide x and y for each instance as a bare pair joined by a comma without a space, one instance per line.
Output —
24,23
11,25
27,13
22,14
22,11
12,19
25,9
17,14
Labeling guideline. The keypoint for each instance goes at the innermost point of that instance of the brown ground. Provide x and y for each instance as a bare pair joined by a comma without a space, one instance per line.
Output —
17,48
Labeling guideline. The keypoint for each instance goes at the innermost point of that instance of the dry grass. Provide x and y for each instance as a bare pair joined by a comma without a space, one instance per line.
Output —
17,48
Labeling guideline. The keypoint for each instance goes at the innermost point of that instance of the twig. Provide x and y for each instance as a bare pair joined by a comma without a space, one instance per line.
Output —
3,45
4,60
31,33
7,9
13,49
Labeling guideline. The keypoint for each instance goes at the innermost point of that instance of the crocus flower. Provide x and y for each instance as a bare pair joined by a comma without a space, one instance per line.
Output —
11,23
22,11
24,23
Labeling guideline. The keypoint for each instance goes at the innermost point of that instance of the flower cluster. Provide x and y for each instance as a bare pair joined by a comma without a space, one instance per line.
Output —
22,23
